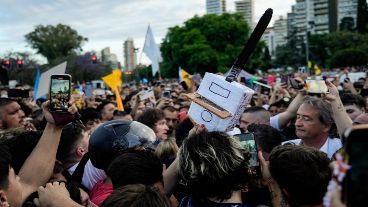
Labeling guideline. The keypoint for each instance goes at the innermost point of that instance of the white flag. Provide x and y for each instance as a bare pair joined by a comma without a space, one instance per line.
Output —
152,51
44,84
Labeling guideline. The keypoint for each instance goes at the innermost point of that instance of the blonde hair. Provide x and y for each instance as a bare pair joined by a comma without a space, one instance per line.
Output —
166,148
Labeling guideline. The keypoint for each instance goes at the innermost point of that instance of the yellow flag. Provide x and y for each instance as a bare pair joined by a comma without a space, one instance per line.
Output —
119,102
317,70
113,80
185,76
309,64
117,73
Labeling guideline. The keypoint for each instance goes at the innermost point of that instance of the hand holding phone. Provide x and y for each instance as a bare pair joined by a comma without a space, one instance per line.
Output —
60,92
249,143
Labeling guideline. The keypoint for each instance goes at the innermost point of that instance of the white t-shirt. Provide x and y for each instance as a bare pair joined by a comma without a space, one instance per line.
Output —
329,147
91,174
274,122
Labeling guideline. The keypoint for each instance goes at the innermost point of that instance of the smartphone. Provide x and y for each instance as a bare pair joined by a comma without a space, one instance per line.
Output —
284,80
316,86
296,84
248,141
143,95
166,94
355,183
263,88
60,92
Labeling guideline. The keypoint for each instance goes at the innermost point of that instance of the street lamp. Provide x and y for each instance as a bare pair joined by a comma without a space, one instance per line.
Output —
309,26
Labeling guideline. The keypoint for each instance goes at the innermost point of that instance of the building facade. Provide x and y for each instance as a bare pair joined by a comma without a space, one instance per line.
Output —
321,17
108,57
246,8
216,6
130,56
280,28
347,8
269,38
291,24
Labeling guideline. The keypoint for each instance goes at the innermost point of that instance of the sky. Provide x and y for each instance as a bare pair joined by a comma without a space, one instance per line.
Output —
108,23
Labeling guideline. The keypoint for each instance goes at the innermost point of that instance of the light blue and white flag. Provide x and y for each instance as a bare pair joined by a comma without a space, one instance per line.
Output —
37,81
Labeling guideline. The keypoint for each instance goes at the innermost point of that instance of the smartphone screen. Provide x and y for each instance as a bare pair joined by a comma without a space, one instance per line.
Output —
60,92
316,86
249,143
145,94
356,181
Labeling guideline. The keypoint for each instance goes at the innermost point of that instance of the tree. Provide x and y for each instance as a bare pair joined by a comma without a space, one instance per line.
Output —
347,24
318,49
81,68
349,57
55,42
25,74
291,54
206,44
362,17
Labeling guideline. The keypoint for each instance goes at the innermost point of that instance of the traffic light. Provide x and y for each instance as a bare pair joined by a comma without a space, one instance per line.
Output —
94,59
20,63
7,63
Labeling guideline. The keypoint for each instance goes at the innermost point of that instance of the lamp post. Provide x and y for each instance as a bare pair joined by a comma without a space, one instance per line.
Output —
308,26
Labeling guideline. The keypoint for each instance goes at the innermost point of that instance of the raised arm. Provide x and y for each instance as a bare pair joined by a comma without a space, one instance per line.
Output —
171,177
290,113
39,166
342,119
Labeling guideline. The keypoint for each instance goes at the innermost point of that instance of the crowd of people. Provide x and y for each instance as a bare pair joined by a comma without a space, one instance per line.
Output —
152,154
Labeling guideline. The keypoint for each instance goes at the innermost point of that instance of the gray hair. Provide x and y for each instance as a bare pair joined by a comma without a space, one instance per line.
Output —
322,107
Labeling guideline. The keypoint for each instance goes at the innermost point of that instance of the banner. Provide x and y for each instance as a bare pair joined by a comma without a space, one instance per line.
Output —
44,81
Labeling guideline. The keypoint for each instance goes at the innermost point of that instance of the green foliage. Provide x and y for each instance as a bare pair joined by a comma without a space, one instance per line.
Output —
55,42
145,71
207,44
290,55
349,57
81,68
347,24
328,50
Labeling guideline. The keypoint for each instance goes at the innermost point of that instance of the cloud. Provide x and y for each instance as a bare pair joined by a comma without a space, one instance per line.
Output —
107,23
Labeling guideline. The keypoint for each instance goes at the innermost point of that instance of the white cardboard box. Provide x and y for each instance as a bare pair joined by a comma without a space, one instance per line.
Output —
232,97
